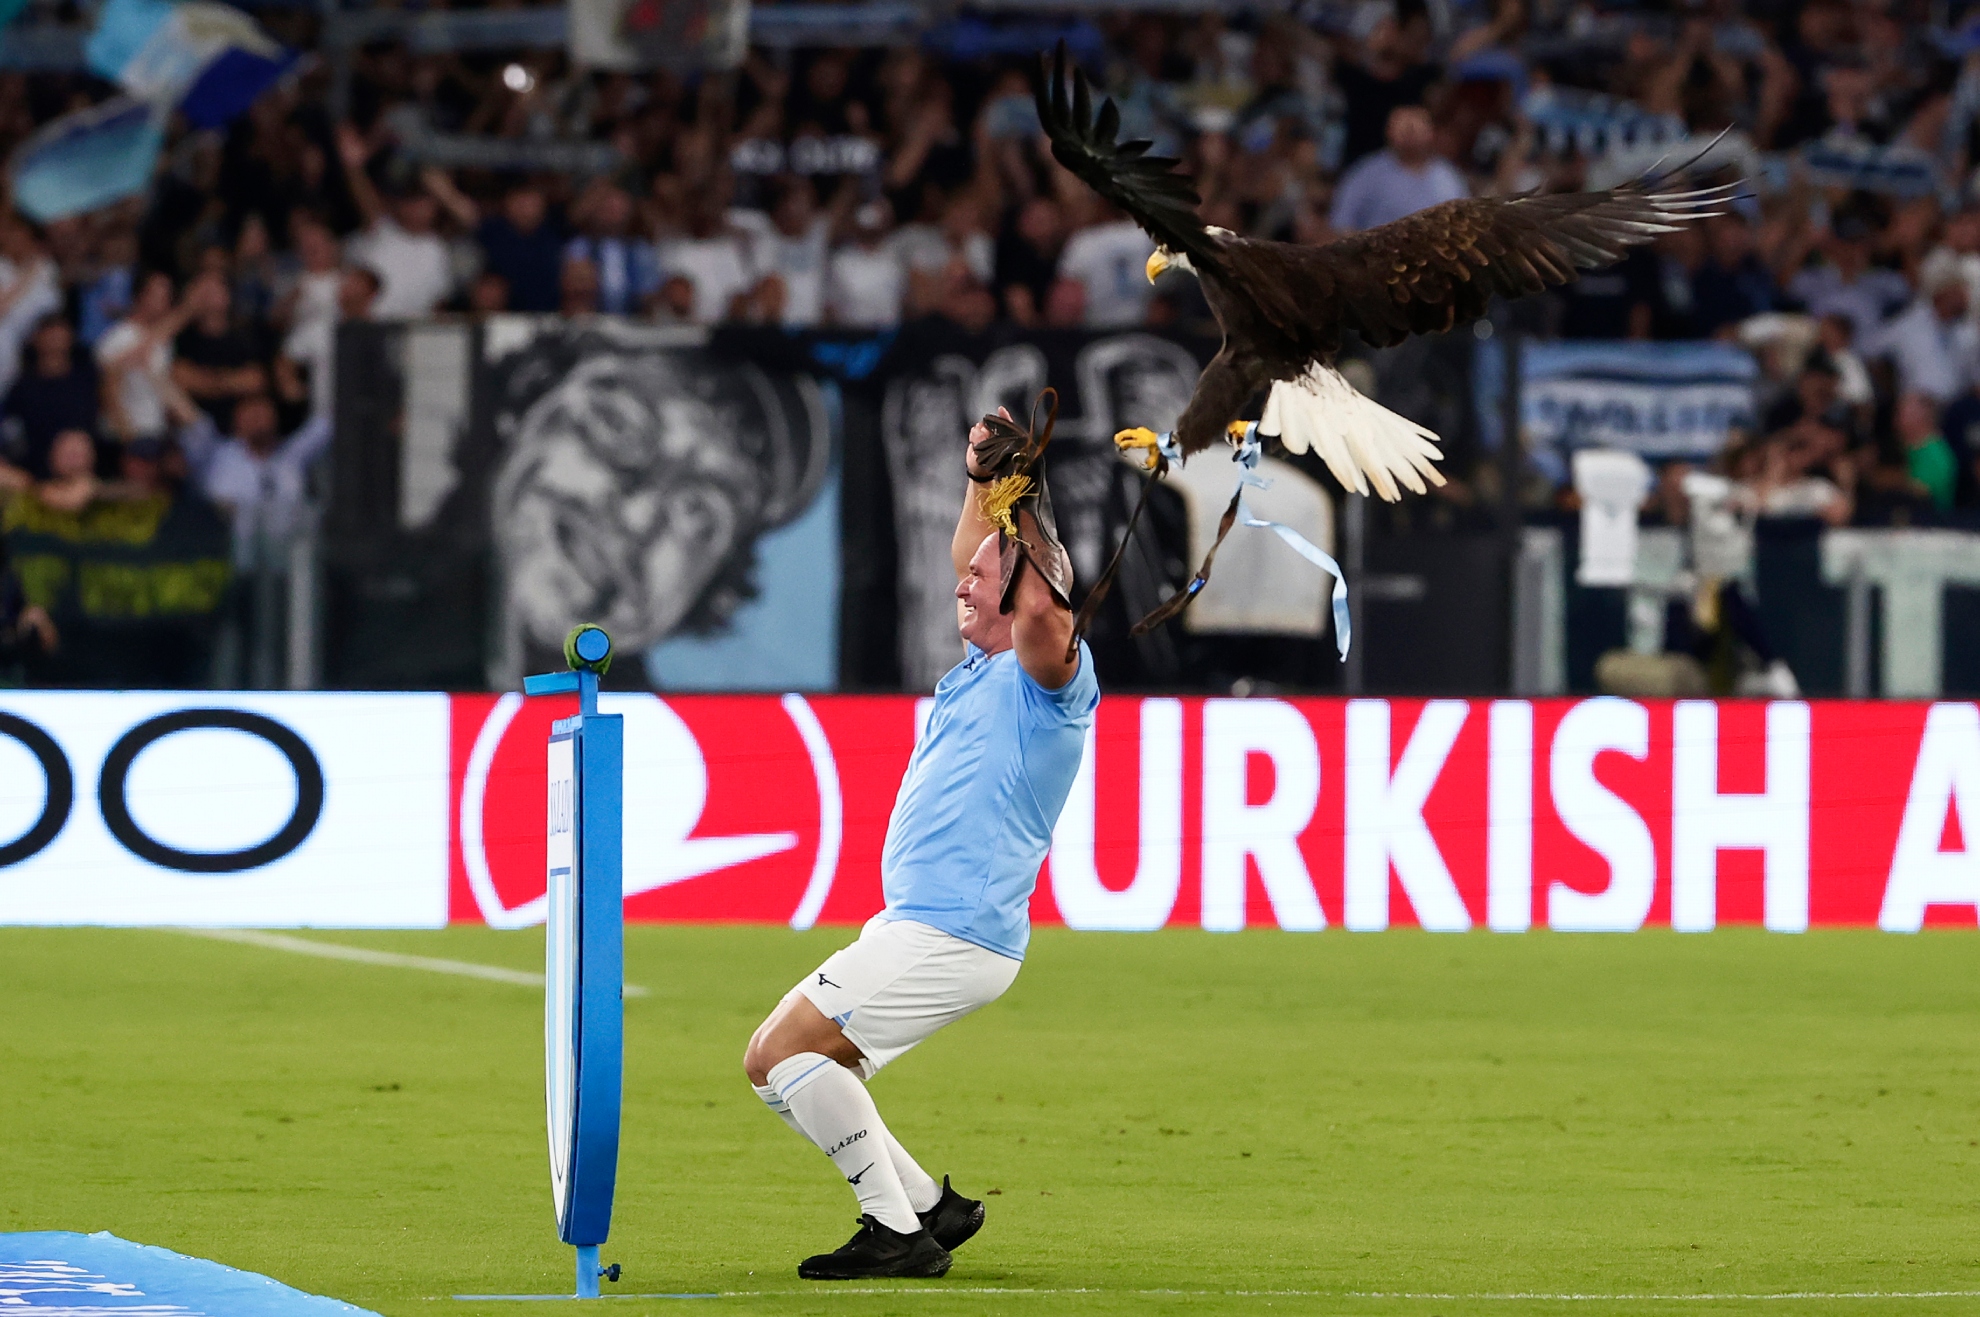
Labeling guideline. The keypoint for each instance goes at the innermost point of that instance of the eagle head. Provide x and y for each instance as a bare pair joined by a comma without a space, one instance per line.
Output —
1163,259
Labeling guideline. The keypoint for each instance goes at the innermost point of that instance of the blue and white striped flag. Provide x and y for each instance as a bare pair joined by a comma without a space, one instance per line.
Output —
209,60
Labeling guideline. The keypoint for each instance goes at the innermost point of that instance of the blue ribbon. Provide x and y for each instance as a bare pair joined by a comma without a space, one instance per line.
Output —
1247,455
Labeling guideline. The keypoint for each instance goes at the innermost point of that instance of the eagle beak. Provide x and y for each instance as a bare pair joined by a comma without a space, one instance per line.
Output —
1158,261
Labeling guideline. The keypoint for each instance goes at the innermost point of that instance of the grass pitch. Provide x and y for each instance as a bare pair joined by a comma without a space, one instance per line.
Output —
1172,1122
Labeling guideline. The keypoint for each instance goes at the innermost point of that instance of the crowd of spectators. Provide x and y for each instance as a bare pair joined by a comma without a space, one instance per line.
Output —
861,188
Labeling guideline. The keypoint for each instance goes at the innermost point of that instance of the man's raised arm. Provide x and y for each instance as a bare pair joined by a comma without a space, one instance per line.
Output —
1041,627
972,527
1041,630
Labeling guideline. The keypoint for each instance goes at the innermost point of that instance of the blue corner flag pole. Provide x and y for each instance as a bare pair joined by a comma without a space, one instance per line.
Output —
584,971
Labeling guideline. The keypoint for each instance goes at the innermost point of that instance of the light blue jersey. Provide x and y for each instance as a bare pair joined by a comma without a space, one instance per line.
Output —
985,786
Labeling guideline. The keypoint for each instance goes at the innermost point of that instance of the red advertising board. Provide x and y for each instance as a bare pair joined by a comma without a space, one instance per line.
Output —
1597,814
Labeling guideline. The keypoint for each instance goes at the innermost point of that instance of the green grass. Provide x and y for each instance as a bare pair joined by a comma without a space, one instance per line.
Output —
1342,1116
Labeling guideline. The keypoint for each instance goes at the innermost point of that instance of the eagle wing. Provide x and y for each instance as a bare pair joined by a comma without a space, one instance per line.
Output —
1438,268
1147,187
1422,274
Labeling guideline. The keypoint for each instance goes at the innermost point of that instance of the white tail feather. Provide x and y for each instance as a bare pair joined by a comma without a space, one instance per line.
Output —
1359,439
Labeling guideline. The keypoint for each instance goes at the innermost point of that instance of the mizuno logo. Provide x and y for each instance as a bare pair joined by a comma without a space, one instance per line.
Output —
854,1179
825,982
845,1143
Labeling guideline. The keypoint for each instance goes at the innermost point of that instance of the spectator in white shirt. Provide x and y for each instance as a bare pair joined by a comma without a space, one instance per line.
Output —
942,258
1402,179
307,366
134,358
1845,283
713,259
400,244
258,477
1110,264
928,249
1933,345
790,245
867,279
29,291
313,295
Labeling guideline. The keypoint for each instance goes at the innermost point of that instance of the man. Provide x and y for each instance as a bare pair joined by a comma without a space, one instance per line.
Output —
1933,345
58,392
970,827
30,288
307,368
215,359
1847,284
627,271
134,359
522,241
400,243
1399,181
1393,71
259,477
1108,259
791,243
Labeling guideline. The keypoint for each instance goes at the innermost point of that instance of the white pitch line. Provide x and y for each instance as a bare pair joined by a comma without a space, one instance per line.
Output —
940,1291
365,955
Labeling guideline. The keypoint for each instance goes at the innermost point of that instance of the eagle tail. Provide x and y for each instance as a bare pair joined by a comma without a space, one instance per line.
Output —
1359,439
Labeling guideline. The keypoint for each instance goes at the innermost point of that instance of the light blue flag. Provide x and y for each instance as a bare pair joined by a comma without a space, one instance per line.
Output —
87,159
211,60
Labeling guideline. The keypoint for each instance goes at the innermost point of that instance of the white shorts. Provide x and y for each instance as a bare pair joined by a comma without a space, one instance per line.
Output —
900,983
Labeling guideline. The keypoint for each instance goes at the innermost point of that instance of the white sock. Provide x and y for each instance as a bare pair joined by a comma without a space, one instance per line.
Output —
922,1191
776,1104
834,1109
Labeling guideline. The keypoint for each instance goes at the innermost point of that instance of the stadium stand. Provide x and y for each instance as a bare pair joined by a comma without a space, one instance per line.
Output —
866,167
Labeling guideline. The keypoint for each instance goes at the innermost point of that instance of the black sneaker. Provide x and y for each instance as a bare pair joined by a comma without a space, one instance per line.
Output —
879,1251
953,1219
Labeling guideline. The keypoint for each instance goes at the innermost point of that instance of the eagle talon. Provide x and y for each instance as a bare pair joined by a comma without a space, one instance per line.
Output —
1237,430
1141,437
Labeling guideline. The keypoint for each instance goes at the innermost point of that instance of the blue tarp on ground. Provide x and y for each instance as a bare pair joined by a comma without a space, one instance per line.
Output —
51,1272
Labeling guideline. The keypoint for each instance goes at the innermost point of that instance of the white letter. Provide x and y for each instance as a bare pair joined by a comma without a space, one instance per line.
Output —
1947,777
1385,818
1509,827
1233,829
1705,821
1600,819
1084,901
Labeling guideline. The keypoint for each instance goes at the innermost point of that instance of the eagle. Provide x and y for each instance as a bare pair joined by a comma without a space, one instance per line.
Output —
1284,307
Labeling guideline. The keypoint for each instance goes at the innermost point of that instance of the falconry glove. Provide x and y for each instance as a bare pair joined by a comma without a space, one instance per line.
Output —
1017,501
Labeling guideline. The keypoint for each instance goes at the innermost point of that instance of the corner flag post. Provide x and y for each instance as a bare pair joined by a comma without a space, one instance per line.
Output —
584,957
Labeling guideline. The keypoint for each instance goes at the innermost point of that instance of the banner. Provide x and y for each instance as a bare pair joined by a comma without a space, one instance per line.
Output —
224,809
406,811
1658,400
1594,815
136,587
494,485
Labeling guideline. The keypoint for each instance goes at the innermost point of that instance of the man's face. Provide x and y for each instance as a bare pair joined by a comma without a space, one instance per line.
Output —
981,623
254,423
1410,134
524,209
1818,392
154,300
316,245
1731,240
416,213
53,343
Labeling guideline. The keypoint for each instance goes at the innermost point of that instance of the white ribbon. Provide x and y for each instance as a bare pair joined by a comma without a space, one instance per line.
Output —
1247,455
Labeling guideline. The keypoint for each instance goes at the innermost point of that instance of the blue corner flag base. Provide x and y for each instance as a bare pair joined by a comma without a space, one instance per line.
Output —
100,1275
